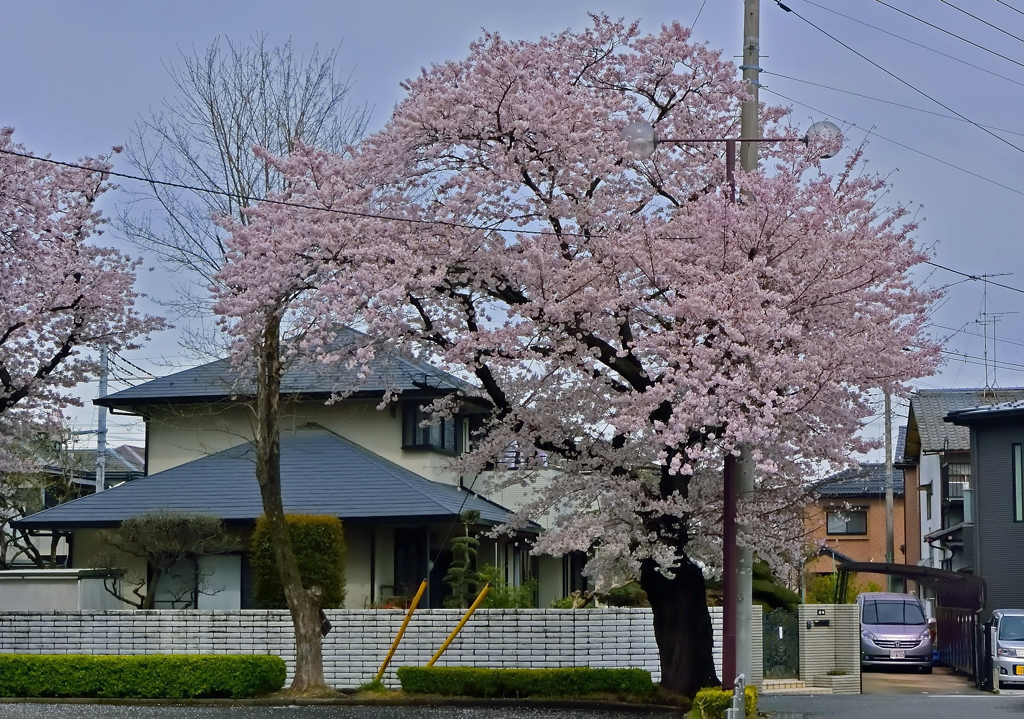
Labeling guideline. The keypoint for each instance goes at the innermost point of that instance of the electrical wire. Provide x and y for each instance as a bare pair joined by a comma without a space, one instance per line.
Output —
977,278
898,78
963,331
129,362
953,34
872,132
982,362
983,22
283,203
916,44
698,14
887,102
1002,2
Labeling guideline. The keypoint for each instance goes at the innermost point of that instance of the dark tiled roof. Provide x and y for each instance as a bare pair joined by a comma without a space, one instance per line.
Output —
121,465
219,379
321,473
988,411
867,480
929,408
901,444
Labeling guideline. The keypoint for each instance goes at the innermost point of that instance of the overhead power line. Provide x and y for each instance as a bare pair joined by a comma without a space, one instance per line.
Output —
963,331
872,132
983,22
887,102
301,206
898,78
977,278
1003,2
981,361
916,44
953,34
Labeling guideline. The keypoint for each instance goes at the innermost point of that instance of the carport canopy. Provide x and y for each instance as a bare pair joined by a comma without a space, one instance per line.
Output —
954,589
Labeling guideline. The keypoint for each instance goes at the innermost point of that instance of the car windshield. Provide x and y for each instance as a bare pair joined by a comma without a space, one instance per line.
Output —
1011,629
894,612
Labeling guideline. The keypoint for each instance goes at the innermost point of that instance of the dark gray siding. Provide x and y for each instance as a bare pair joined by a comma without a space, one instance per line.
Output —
999,541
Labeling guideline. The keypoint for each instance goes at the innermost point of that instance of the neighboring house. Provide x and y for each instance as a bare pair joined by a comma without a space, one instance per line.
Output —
123,464
67,474
388,477
847,520
995,505
937,463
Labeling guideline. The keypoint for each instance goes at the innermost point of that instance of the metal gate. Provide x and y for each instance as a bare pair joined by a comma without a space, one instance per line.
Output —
781,649
964,644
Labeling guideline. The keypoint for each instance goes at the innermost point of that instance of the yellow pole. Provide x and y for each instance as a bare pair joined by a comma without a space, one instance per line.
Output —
401,631
460,625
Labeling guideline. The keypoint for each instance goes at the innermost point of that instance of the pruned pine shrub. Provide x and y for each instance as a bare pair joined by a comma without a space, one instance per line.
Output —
319,543
142,676
711,703
518,683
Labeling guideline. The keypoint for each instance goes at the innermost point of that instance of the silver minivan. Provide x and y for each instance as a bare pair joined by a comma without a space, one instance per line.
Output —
894,631
1008,645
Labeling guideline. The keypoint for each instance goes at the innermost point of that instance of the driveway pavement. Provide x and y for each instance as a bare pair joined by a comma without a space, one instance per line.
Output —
903,695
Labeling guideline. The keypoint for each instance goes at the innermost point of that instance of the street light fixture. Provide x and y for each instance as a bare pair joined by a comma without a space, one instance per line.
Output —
642,140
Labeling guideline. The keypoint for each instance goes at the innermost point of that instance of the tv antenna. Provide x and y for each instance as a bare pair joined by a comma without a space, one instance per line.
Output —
986,318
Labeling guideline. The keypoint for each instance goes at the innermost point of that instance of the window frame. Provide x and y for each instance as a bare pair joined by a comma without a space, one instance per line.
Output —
1017,474
852,510
423,438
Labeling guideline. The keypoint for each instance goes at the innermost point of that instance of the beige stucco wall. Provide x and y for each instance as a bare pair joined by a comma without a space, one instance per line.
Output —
87,551
184,434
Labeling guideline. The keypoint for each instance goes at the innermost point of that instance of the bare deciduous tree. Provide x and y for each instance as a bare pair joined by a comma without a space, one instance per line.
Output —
229,99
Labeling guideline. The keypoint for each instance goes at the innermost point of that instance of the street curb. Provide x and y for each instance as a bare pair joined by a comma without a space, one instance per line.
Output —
389,701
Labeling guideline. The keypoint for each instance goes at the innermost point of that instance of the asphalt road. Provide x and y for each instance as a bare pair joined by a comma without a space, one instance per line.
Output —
898,706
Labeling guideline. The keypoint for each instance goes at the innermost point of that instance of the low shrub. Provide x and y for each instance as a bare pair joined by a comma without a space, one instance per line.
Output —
711,703
519,683
502,595
142,676
373,686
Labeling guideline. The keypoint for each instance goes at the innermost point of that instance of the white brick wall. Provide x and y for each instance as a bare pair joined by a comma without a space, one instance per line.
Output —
355,648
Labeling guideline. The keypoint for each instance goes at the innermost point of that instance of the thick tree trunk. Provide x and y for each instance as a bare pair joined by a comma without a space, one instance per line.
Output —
302,603
682,627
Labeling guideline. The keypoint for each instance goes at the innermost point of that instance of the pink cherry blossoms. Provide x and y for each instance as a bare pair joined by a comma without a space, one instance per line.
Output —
619,315
61,297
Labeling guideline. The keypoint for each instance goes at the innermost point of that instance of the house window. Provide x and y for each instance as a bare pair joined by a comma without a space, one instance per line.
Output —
847,521
1018,482
444,434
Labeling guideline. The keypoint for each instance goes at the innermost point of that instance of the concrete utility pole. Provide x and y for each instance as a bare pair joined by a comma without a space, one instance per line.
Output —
101,426
889,550
749,127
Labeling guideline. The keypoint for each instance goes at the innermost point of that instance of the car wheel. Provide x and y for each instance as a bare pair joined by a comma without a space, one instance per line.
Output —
926,670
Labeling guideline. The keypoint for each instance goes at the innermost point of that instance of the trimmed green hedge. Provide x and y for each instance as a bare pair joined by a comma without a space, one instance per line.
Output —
517,683
140,676
319,544
712,702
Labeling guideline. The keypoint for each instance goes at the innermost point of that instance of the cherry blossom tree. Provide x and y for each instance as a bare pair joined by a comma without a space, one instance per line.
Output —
625,322
61,296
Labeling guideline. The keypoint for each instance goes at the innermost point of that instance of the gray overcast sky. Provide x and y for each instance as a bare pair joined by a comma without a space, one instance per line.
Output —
75,76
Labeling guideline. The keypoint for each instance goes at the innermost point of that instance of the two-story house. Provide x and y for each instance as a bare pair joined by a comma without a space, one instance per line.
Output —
387,472
847,520
937,462
995,506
